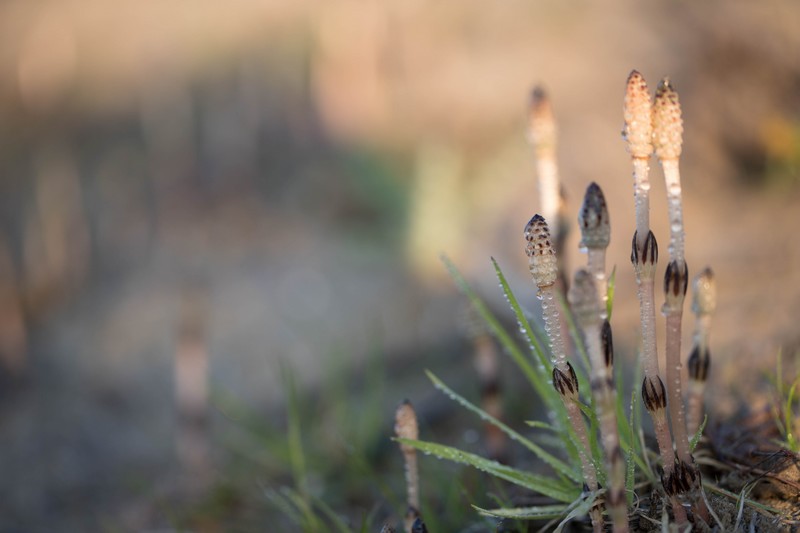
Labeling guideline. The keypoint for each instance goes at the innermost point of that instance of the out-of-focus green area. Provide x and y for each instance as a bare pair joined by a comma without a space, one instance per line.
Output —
195,195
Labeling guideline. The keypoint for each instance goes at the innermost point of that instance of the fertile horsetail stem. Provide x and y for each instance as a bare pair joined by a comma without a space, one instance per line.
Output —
542,135
638,134
586,305
704,303
667,141
406,427
544,270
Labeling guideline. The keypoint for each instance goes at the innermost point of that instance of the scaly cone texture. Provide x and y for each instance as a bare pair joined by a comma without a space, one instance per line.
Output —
668,139
704,303
638,134
586,305
405,427
544,270
595,226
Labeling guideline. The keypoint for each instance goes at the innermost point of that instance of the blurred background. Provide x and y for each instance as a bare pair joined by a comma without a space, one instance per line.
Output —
204,208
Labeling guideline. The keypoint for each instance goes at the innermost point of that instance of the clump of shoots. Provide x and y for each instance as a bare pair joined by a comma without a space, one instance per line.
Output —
587,306
405,427
704,303
542,135
638,134
668,140
544,270
595,226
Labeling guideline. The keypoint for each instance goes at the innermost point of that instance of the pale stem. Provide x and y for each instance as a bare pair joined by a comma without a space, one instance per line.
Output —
641,194
672,178
589,473
576,420
648,318
702,332
664,440
696,407
674,393
552,326
412,479
547,171
605,398
597,266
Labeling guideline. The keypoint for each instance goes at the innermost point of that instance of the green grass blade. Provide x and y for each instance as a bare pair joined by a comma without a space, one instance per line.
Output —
497,330
332,519
542,512
698,434
788,417
763,509
581,507
542,425
294,438
309,521
522,321
557,464
538,483
285,506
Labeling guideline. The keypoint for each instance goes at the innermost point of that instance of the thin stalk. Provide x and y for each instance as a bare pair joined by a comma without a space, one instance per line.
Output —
544,270
704,304
543,137
406,427
587,307
675,283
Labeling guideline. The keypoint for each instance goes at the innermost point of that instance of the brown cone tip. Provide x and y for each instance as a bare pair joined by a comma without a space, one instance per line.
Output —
593,218
638,125
542,126
405,422
541,254
704,287
667,122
